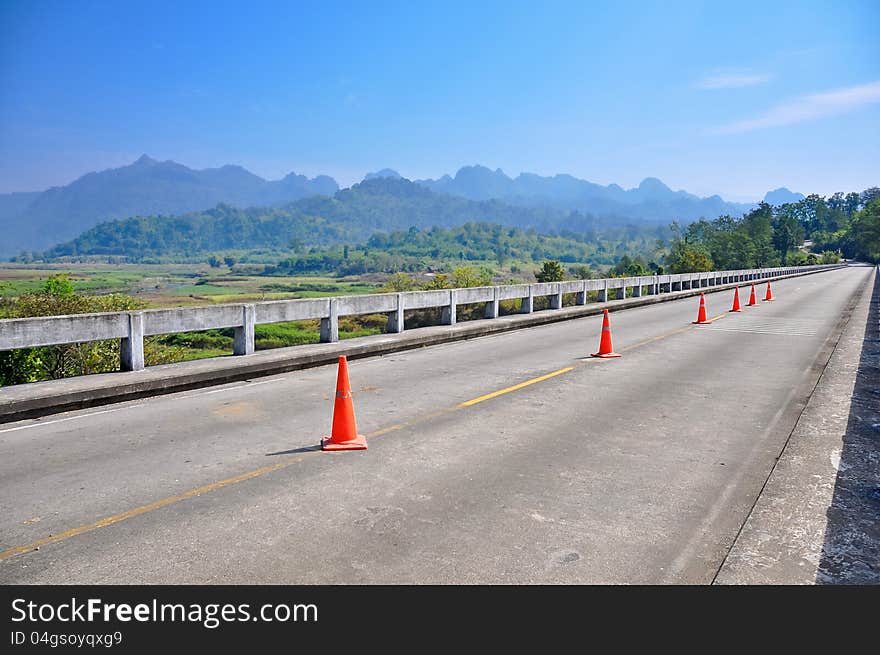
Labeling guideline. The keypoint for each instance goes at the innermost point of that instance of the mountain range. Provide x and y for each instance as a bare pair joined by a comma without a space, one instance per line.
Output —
651,201
35,221
350,216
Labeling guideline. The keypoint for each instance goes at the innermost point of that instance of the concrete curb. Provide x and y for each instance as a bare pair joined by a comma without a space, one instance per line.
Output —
54,396
813,522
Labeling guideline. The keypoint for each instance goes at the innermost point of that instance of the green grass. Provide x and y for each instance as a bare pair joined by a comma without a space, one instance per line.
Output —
177,285
182,285
199,290
191,354
280,335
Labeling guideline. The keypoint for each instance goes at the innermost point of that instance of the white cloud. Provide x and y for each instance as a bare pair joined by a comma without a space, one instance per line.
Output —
733,80
809,107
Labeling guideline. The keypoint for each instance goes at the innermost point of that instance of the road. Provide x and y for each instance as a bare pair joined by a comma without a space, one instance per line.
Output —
633,470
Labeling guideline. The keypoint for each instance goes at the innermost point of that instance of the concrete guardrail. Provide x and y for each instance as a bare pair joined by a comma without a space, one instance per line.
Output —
132,327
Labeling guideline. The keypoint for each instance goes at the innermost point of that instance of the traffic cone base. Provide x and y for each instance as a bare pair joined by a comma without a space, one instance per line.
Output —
701,315
606,350
358,443
344,435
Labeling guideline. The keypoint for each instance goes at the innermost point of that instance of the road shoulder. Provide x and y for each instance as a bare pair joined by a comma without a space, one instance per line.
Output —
817,519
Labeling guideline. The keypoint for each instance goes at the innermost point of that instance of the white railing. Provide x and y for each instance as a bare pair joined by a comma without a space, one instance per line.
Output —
131,327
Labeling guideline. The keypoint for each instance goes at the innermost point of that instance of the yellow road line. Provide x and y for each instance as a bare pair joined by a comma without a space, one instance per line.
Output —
527,383
137,511
143,509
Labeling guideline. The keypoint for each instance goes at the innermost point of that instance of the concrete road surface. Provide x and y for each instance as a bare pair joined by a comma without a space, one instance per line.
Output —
633,470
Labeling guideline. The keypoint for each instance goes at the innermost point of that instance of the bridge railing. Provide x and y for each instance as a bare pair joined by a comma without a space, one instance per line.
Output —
132,326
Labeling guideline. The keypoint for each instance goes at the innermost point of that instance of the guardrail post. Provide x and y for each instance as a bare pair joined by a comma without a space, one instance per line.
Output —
492,305
556,299
528,303
330,325
395,318
580,298
637,289
447,316
243,336
603,293
131,349
621,291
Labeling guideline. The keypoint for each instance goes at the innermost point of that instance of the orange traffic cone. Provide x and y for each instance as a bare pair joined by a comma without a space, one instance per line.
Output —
701,315
736,300
752,300
344,435
769,294
606,350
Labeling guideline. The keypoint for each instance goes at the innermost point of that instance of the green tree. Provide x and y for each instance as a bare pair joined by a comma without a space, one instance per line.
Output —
788,236
629,267
58,286
470,276
439,281
582,272
230,261
398,282
863,239
687,258
551,271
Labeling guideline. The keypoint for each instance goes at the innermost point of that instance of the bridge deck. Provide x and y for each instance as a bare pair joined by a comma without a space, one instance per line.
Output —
640,469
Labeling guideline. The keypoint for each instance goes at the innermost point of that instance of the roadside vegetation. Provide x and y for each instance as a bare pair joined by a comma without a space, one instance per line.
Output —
812,231
839,226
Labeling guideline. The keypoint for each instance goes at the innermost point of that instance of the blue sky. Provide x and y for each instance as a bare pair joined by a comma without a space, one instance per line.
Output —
729,98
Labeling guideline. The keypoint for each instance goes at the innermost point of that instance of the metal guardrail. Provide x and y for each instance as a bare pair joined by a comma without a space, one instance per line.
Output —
132,327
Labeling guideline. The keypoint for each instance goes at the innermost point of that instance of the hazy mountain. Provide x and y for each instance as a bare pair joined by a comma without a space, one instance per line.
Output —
382,204
40,220
651,200
37,221
385,172
13,204
782,196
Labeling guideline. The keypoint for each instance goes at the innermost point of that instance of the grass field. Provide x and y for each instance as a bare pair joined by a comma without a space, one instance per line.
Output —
184,285
178,285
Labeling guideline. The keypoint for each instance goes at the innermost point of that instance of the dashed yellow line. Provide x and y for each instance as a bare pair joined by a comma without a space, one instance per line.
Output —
527,383
143,509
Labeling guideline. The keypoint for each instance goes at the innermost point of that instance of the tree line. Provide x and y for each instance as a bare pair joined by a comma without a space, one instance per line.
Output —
415,250
840,225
